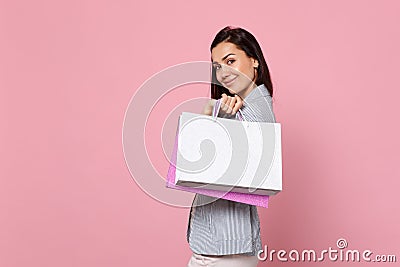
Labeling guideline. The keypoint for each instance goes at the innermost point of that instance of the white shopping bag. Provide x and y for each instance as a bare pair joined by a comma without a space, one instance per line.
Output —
229,155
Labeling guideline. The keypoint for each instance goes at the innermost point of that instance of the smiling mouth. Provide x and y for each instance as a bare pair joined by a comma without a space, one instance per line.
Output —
228,83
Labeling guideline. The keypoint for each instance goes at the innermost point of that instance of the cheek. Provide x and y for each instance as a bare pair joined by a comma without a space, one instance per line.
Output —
218,76
239,70
247,73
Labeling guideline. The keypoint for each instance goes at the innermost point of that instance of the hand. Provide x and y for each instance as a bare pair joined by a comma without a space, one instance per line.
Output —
230,104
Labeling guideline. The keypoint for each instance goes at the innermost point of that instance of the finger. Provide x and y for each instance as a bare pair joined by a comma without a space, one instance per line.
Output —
238,104
236,107
224,98
239,97
225,103
229,104
232,105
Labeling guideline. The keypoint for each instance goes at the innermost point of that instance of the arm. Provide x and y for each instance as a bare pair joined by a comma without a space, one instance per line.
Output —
209,107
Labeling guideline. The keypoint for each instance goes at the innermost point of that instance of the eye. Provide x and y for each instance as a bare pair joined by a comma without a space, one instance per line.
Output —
230,60
216,66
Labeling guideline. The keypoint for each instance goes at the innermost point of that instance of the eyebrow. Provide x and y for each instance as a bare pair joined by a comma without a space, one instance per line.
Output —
224,57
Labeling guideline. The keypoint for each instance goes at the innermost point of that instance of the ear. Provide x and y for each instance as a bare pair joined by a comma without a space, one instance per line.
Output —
255,63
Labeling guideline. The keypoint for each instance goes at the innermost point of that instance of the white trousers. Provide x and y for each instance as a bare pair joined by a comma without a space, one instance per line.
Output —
236,260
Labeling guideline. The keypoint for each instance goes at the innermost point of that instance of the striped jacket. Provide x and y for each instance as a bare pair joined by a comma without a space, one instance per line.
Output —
222,227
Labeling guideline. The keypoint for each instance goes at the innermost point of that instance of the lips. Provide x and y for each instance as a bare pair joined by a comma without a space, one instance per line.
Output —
230,82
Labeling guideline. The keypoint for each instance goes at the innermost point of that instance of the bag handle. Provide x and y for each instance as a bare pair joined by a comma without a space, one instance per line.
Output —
239,115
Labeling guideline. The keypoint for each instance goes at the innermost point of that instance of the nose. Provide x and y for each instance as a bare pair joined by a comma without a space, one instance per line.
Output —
225,71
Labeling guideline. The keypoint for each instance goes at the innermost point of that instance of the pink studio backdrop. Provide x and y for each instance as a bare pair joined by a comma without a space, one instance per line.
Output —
68,70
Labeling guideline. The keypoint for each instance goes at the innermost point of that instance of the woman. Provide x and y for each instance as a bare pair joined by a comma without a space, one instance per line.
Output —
222,232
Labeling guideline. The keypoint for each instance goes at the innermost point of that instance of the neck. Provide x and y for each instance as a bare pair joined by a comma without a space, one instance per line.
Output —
247,91
250,88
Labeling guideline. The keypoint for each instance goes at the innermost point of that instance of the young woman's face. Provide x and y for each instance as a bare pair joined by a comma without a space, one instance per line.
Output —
234,69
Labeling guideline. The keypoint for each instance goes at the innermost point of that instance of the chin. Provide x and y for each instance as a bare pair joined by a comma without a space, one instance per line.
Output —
232,92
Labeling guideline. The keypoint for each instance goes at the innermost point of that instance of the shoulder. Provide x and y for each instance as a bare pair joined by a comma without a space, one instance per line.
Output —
258,105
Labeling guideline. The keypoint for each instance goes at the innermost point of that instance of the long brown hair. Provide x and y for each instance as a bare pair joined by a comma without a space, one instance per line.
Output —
245,41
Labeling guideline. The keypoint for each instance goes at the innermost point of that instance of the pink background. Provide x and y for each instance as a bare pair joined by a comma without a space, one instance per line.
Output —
69,69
